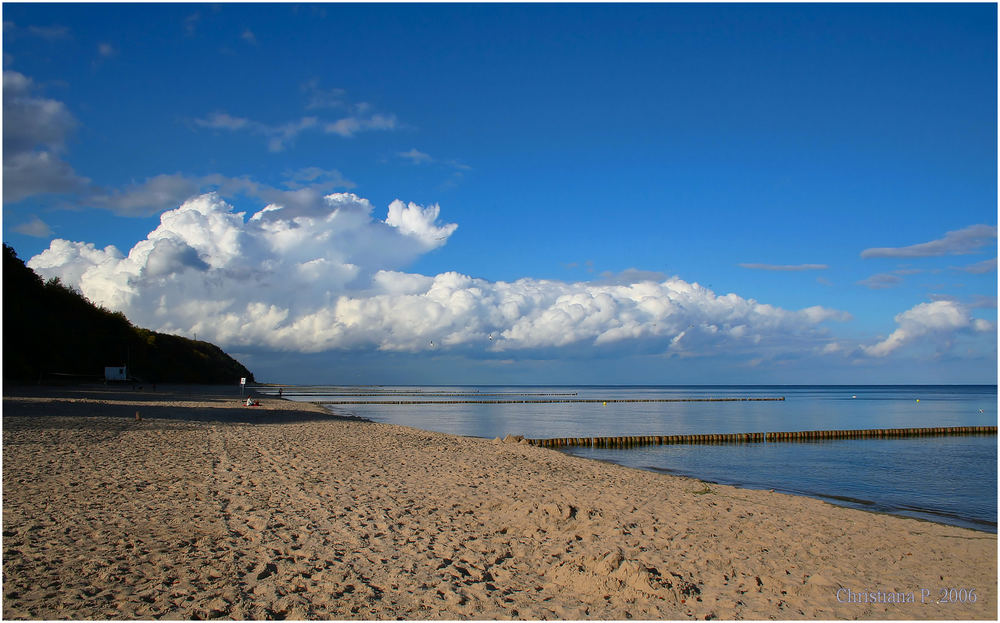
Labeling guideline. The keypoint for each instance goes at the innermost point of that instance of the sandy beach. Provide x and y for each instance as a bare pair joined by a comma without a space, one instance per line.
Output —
209,509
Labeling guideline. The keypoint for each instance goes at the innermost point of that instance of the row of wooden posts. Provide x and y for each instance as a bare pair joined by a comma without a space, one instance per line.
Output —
806,435
539,401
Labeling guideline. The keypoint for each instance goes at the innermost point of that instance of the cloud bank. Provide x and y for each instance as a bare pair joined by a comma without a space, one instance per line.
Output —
327,275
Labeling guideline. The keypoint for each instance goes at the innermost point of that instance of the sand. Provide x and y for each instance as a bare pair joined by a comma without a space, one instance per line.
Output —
209,509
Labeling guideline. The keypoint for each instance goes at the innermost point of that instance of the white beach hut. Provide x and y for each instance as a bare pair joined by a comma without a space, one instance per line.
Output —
115,373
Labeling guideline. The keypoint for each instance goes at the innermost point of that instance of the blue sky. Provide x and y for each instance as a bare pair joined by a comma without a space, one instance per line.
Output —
586,193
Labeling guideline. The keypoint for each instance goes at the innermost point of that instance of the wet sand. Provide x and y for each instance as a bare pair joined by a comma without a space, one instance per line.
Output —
209,509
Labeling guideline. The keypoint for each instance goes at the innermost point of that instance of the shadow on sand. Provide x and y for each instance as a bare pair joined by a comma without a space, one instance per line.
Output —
193,403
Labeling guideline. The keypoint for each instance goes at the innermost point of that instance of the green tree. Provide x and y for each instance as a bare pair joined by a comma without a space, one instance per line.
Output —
50,328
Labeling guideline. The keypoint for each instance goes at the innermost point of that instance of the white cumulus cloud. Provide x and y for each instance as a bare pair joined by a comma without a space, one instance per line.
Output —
418,222
318,276
938,319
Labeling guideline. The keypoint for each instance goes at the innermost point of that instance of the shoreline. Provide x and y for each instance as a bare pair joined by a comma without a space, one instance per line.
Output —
852,503
826,499
210,508
905,497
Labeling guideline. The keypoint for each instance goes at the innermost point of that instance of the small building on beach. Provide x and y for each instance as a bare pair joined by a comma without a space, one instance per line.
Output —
115,373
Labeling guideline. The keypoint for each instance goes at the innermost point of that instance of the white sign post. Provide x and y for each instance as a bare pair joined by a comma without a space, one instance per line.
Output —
243,382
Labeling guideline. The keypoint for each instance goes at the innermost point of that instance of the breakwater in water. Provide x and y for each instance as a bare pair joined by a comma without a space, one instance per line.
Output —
807,435
540,401
943,475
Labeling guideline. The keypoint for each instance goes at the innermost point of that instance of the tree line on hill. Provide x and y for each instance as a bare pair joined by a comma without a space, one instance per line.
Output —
51,331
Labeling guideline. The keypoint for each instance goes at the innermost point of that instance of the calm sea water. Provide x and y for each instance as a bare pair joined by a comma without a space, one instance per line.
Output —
945,479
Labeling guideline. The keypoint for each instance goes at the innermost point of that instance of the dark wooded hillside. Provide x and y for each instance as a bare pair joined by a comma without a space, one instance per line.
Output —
51,331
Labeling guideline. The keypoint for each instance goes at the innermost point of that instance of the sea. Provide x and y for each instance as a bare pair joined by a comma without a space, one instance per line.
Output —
951,480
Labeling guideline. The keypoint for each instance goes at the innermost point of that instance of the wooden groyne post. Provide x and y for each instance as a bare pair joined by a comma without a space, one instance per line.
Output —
730,438
538,401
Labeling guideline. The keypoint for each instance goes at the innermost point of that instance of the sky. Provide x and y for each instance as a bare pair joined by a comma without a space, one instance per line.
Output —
520,194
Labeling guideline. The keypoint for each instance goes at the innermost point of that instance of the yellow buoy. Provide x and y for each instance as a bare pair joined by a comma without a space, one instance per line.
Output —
605,404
